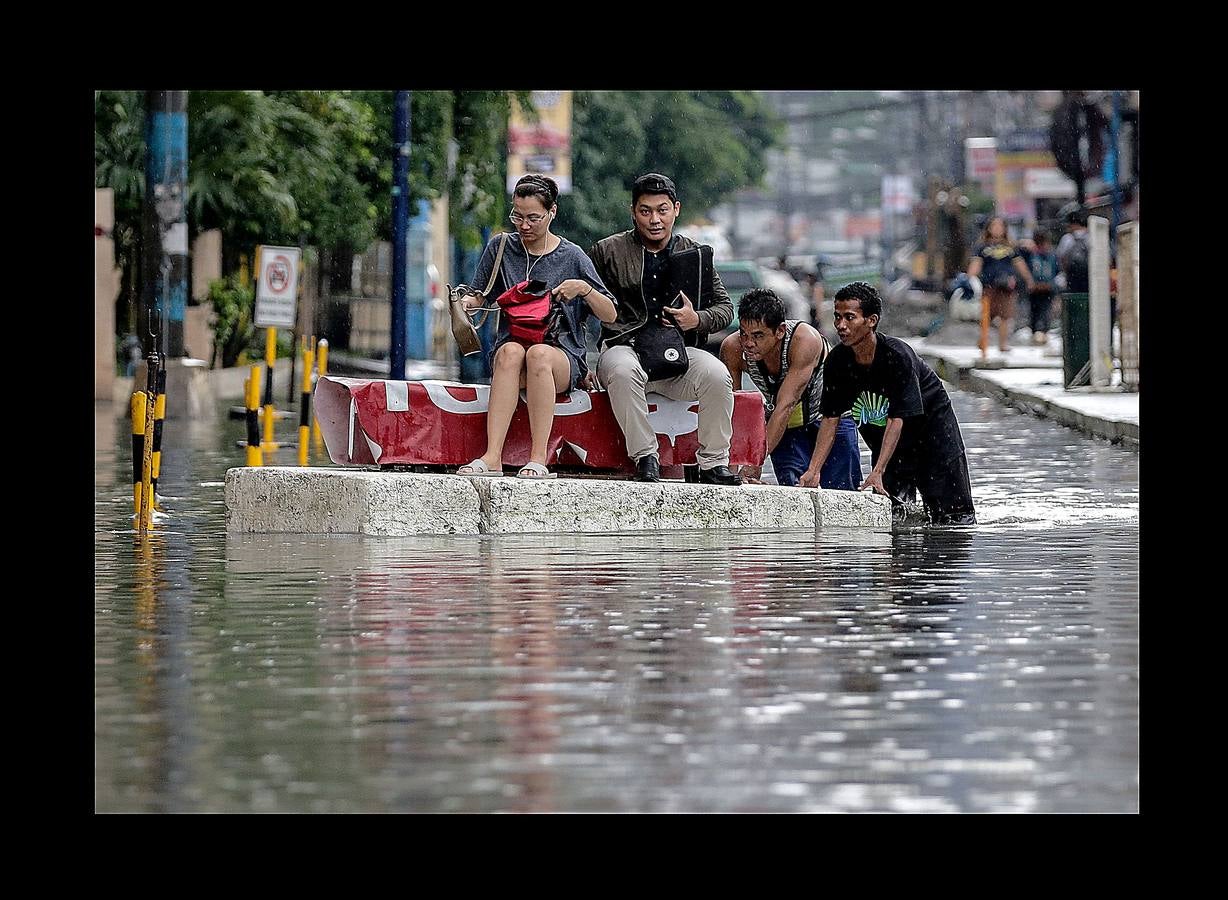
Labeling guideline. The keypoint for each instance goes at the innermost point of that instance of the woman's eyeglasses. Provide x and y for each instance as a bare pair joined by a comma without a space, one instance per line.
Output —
532,218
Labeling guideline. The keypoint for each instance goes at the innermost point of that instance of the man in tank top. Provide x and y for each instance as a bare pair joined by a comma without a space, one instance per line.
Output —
784,358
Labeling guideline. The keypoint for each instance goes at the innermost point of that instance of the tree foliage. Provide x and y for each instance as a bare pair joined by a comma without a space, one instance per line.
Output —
711,143
311,167
314,168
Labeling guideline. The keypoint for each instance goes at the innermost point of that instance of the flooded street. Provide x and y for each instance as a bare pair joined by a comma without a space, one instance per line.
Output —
978,669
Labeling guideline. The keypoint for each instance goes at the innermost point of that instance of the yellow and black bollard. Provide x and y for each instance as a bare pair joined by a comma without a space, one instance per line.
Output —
270,360
138,449
159,418
304,419
145,516
321,371
255,457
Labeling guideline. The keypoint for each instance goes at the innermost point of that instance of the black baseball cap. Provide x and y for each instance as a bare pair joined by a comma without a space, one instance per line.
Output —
652,183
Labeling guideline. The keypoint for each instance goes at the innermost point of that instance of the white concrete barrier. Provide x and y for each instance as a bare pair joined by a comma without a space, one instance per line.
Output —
348,501
1100,333
344,501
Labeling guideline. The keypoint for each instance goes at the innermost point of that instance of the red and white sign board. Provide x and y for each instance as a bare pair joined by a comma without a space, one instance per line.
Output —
897,194
376,422
277,287
980,159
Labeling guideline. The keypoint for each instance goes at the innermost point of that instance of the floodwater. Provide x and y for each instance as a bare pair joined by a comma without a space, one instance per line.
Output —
985,669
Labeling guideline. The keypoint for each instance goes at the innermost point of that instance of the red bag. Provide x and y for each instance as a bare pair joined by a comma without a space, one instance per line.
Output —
527,307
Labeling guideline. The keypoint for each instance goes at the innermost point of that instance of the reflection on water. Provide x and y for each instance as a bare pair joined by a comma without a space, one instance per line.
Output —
931,669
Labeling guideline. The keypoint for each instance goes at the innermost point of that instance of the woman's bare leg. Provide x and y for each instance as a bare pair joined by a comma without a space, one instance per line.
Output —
504,393
547,373
1004,333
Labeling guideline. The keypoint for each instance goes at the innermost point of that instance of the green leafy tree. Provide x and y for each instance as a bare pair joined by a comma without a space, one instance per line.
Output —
234,309
310,168
314,168
459,145
712,143
281,167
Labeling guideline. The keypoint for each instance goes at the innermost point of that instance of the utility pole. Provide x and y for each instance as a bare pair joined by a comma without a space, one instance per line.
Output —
922,127
1113,164
400,228
165,224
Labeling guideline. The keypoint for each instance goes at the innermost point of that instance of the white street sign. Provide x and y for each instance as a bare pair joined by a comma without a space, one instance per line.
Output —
277,287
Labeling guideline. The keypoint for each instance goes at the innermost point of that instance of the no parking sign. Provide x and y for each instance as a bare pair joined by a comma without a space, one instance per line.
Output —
277,287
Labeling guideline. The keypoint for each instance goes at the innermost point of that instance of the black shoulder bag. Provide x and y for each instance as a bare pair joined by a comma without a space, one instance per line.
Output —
662,348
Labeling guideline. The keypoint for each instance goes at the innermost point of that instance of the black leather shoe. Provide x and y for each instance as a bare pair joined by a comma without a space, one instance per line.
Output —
718,475
647,469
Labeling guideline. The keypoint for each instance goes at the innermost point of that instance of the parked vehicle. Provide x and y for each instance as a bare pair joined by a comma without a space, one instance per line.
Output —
713,235
797,306
742,275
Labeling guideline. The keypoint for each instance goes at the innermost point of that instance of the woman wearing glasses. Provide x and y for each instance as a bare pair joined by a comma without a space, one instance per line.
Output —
543,370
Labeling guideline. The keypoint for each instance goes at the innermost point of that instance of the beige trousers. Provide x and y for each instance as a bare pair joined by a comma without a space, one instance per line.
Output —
706,380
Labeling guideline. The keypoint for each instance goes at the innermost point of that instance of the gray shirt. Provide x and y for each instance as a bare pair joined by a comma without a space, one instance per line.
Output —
563,262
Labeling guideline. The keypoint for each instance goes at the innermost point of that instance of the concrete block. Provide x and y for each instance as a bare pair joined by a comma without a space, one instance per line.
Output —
348,501
400,503
281,499
851,509
338,501
522,506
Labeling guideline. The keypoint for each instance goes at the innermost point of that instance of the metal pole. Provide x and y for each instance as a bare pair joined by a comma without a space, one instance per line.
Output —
400,228
1114,163
159,423
145,518
165,282
321,371
304,420
139,399
270,361
251,398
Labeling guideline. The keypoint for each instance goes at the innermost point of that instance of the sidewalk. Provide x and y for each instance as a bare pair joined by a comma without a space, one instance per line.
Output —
1030,378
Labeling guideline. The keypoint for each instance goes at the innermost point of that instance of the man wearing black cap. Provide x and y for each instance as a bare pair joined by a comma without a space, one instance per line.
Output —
634,265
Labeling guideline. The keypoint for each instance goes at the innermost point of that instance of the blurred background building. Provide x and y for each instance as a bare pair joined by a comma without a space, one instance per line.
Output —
904,180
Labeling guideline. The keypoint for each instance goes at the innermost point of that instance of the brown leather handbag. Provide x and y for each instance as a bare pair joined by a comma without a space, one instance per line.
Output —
463,329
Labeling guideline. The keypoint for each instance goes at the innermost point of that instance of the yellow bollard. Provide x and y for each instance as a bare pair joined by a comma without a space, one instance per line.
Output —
159,418
270,360
251,399
321,371
138,449
147,499
304,420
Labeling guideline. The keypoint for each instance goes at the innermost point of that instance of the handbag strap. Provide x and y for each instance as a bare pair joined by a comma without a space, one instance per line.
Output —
494,273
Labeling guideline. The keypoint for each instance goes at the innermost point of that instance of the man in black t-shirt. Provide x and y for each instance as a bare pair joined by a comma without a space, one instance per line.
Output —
902,410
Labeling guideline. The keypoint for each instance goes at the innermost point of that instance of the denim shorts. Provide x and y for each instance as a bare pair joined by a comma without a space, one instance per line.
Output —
841,472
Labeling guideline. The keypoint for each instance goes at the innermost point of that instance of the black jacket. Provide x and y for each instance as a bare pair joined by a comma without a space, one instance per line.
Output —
619,260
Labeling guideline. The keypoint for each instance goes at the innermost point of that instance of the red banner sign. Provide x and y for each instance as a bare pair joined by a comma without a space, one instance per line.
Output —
443,423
